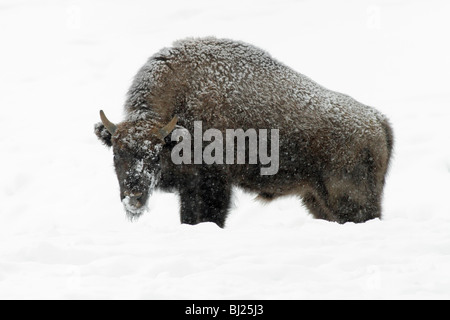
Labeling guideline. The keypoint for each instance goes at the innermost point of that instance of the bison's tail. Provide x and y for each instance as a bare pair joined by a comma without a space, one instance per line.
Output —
389,137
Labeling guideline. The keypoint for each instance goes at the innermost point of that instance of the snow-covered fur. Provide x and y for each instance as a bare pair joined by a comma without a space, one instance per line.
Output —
334,151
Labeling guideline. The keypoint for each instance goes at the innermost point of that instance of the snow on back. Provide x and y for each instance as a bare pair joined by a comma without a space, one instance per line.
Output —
257,90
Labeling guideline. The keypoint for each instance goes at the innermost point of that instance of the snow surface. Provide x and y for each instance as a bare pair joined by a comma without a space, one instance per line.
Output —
63,230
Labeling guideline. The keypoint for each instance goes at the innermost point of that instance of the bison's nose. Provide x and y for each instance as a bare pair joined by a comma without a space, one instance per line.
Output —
134,199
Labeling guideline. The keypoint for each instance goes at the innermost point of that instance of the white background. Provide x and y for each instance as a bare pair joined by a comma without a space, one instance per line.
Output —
63,232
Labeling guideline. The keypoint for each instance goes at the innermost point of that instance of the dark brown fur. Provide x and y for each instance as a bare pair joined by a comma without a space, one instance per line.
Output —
334,151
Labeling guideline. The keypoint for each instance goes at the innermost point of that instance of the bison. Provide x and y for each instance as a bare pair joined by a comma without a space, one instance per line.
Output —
334,152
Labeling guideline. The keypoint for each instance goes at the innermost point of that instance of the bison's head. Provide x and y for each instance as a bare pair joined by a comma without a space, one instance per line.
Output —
137,145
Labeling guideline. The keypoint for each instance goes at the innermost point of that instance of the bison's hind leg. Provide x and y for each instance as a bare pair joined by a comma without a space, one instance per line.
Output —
355,195
317,207
351,210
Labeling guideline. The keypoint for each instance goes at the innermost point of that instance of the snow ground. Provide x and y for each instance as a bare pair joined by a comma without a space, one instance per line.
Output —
63,232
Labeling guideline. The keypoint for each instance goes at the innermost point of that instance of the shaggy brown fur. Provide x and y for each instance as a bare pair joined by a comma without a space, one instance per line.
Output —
334,151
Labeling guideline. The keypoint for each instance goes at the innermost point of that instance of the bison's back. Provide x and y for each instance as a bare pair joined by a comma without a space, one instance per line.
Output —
230,84
252,89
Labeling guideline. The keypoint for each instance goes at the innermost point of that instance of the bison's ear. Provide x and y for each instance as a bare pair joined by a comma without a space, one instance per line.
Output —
168,138
103,134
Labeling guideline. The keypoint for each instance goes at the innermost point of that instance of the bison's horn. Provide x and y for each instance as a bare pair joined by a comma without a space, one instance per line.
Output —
164,132
111,127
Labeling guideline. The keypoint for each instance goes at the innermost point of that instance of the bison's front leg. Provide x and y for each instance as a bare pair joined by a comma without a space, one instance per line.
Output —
215,197
189,200
205,197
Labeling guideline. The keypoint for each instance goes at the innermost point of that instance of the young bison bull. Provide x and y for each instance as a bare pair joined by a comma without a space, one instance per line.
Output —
333,151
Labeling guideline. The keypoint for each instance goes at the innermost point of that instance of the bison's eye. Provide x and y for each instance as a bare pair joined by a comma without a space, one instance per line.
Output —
117,157
120,155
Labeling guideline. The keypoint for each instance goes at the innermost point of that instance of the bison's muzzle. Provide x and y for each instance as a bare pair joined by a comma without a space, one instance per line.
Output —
134,204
